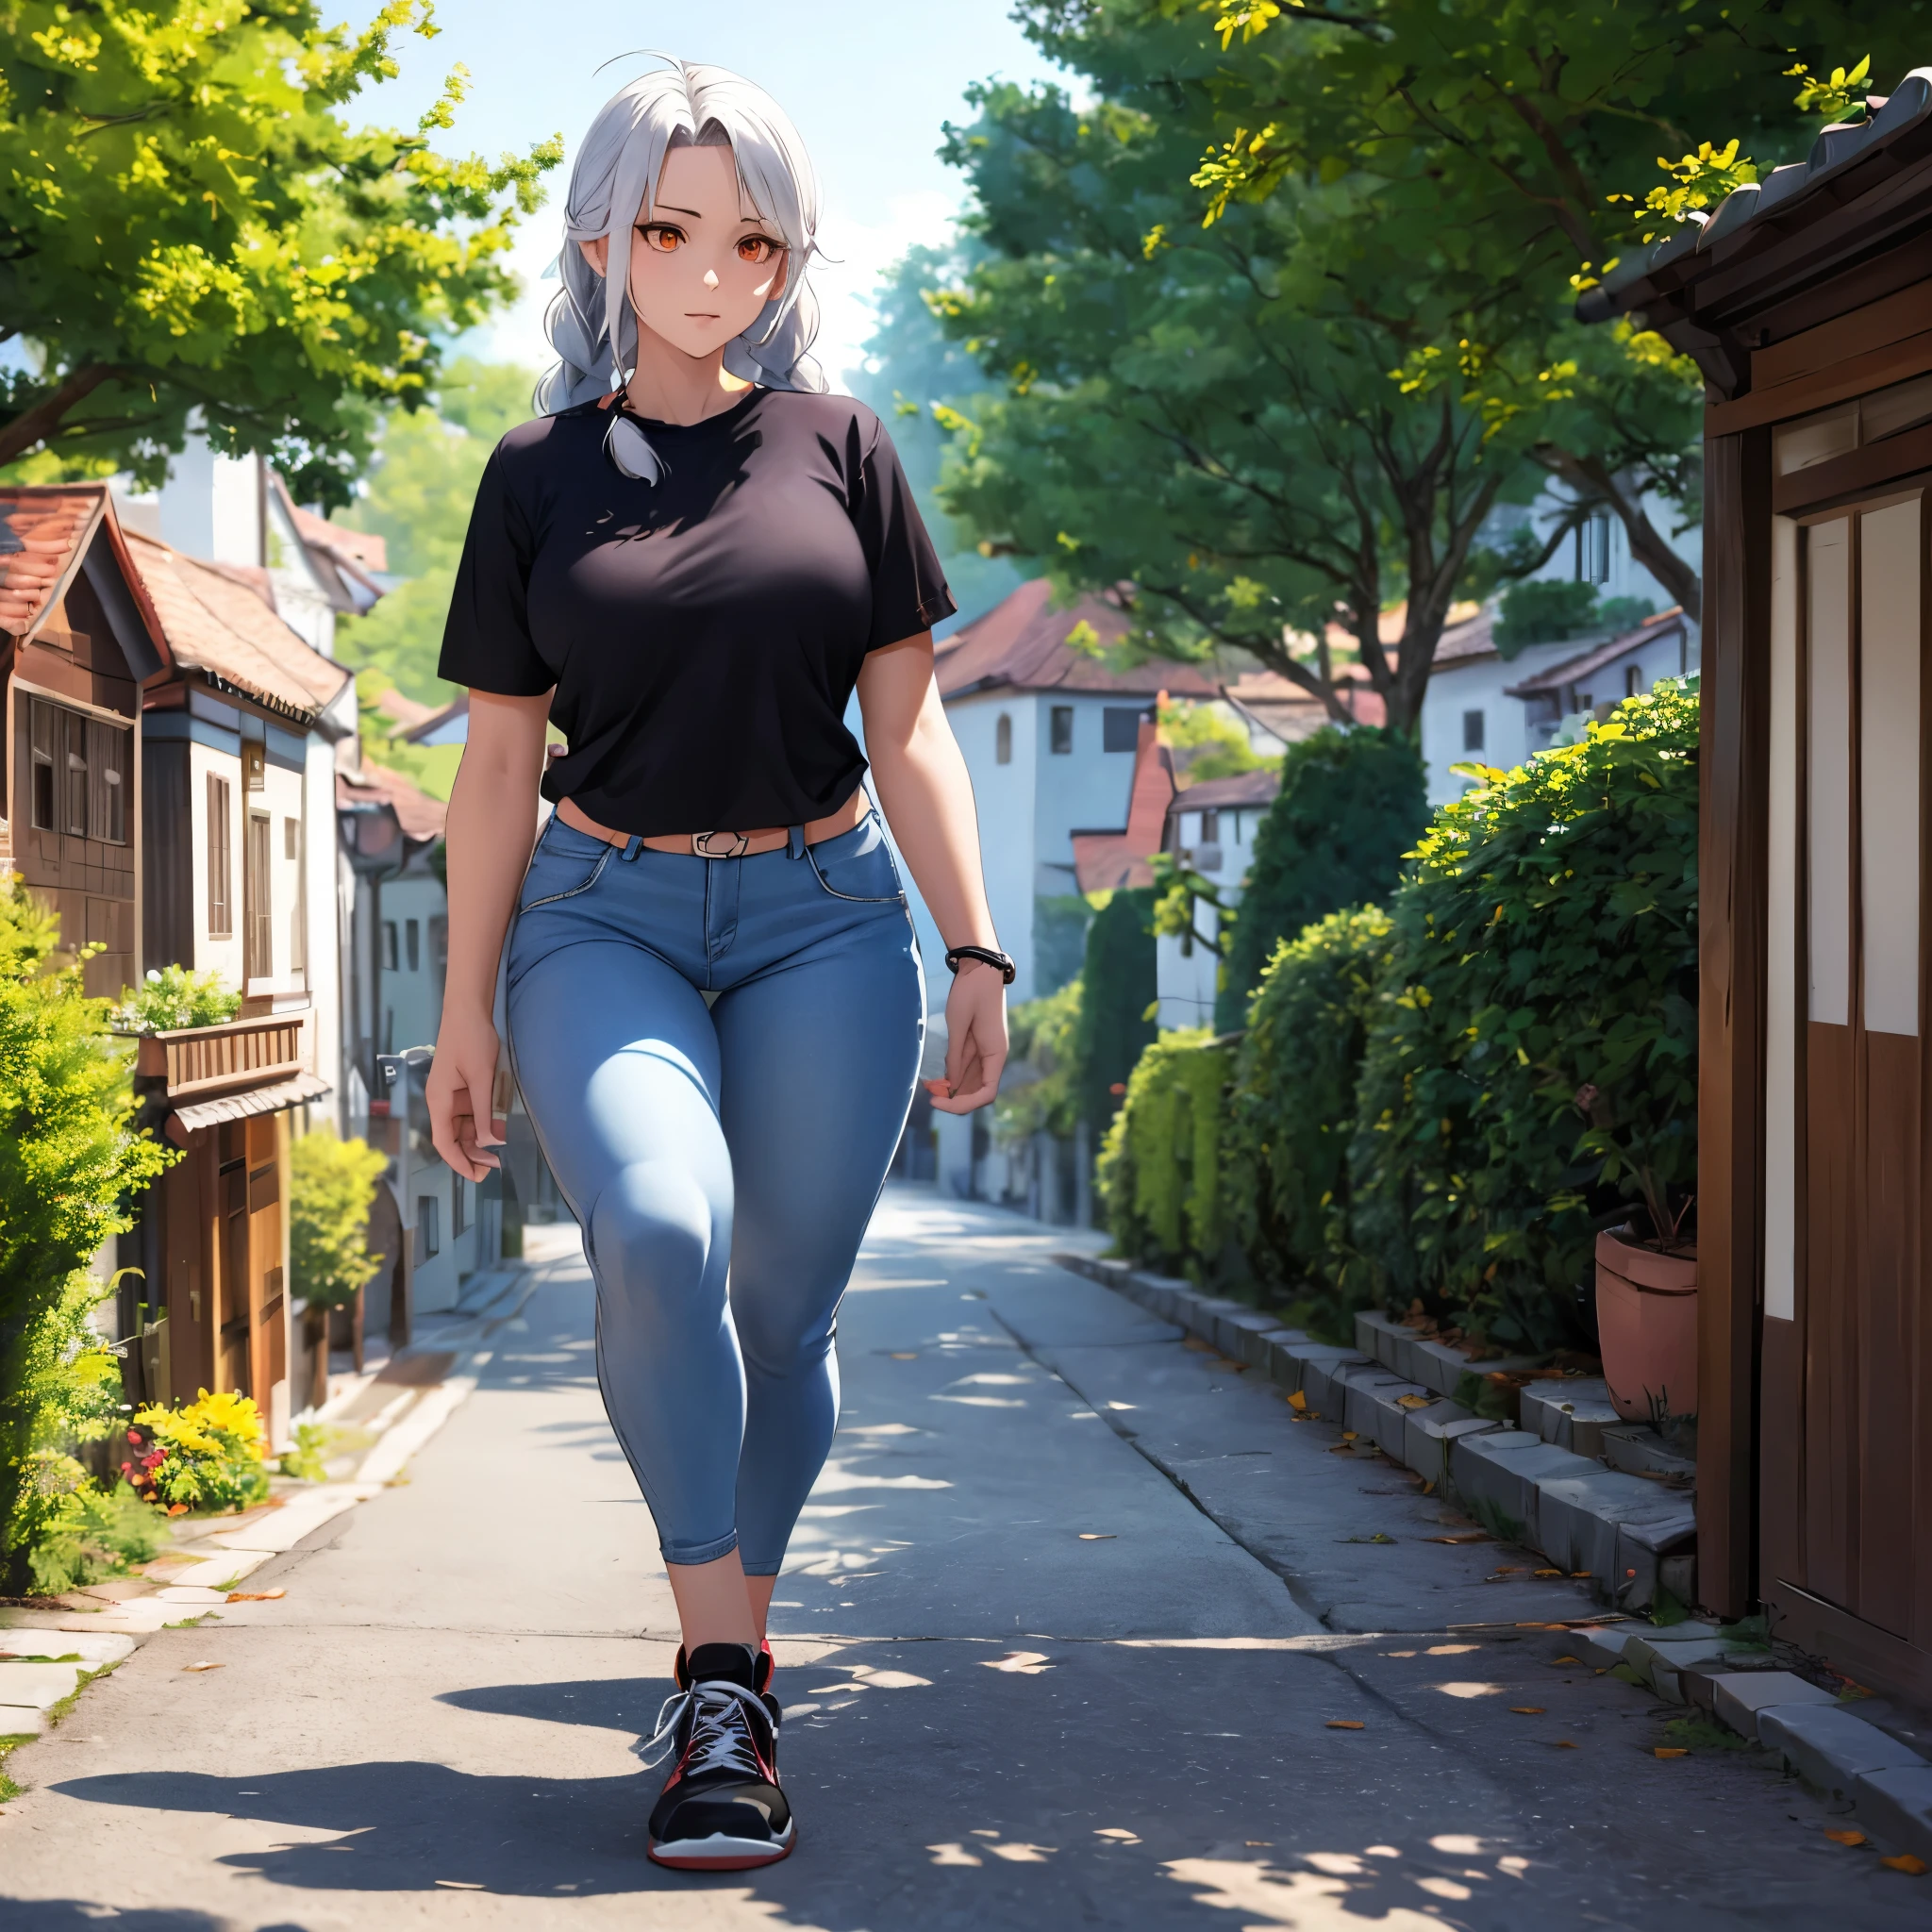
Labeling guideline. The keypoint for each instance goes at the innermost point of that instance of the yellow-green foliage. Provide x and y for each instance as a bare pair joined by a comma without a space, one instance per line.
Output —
206,1455
1042,1033
333,1182
172,996
82,1533
70,1170
1160,1172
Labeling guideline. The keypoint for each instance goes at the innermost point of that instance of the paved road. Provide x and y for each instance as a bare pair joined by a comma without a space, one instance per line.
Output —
1034,1681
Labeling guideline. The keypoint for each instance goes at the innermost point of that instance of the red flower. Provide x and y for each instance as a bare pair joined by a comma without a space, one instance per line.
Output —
134,1436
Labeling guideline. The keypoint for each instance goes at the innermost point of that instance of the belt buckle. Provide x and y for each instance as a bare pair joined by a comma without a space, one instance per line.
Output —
701,845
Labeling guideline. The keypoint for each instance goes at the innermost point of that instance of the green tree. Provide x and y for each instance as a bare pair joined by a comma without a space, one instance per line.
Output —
1200,413
1506,151
1352,804
332,1184
1117,999
418,498
917,377
71,1164
192,232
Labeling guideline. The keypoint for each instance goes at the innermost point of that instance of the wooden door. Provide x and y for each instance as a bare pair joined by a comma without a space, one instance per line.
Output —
236,1364
1848,1519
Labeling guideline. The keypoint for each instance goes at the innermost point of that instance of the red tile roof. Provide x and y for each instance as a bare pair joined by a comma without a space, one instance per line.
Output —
1291,713
1105,861
420,816
213,622
42,531
368,553
1021,644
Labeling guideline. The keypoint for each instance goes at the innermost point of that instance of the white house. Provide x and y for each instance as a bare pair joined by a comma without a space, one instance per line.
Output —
1484,709
1210,830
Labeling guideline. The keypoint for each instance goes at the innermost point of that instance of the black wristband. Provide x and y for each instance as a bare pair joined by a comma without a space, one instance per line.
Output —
986,957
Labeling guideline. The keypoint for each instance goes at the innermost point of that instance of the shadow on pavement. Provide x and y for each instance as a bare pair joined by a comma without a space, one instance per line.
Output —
70,1914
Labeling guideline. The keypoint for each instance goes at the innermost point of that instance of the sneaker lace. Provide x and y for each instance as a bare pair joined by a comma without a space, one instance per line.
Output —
721,1738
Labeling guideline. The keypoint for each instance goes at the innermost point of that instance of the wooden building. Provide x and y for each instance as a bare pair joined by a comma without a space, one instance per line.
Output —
74,652
173,755
1807,301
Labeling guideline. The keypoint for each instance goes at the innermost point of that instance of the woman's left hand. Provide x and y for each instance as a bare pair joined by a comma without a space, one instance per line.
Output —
976,1040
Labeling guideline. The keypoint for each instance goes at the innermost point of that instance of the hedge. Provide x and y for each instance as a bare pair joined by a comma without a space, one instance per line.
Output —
1160,1172
1545,940
1444,1102
1292,1100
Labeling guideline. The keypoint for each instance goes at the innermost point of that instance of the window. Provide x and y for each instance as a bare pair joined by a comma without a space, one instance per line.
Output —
79,777
413,943
255,766
459,1207
107,769
1633,679
1060,730
1119,727
221,894
45,735
258,944
298,916
428,1226
388,946
438,943
1210,828
1593,548
1472,729
1003,740
74,736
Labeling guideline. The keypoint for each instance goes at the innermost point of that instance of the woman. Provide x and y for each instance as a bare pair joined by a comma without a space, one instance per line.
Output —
713,992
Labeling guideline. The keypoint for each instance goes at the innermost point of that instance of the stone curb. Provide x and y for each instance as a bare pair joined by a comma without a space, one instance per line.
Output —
1886,1784
1532,1485
1630,1535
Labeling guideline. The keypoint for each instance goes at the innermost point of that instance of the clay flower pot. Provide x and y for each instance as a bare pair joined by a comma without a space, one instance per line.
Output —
1646,1319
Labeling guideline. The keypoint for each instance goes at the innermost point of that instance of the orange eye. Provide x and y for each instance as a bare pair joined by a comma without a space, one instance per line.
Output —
662,238
756,249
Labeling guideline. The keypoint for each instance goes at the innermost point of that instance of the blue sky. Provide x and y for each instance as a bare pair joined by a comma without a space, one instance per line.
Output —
868,86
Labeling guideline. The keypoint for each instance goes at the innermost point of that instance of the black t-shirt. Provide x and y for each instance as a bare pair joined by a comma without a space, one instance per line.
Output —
702,632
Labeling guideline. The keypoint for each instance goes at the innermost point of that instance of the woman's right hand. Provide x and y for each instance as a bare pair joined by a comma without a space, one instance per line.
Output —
462,1080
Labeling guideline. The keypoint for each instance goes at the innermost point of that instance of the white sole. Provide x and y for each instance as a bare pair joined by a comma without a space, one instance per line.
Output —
719,1853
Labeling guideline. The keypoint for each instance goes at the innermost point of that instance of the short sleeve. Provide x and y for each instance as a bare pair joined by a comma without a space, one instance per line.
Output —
486,643
909,588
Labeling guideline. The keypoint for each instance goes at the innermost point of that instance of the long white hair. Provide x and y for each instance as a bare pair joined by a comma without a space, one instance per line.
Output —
589,322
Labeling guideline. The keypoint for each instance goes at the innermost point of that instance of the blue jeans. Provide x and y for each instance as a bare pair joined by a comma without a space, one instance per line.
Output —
723,1164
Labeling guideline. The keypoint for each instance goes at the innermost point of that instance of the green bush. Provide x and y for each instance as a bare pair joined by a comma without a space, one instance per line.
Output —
1352,804
70,1166
1544,942
1117,1000
172,996
1160,1174
332,1183
1042,1033
1544,610
1292,1102
84,1534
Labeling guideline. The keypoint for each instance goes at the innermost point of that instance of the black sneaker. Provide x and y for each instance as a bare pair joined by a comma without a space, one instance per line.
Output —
722,1808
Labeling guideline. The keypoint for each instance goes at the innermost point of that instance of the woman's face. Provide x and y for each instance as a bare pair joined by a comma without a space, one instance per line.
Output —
703,263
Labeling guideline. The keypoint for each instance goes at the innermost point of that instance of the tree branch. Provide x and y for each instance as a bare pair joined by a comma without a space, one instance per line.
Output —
36,424
1592,478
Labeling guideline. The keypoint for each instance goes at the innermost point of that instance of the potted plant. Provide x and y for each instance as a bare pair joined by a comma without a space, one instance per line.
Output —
1646,1275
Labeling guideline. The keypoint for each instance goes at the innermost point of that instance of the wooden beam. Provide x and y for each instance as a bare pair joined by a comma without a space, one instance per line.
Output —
1732,885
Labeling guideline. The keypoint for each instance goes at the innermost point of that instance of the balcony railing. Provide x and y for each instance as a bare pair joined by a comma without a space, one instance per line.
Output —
205,1060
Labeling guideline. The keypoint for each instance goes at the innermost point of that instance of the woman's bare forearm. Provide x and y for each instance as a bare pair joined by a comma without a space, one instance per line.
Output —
492,824
925,792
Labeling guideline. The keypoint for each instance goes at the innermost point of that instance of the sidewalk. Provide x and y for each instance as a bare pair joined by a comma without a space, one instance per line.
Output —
1058,1644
